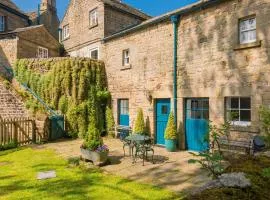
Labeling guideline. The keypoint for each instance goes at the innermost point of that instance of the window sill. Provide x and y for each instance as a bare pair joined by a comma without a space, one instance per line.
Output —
93,26
248,46
126,67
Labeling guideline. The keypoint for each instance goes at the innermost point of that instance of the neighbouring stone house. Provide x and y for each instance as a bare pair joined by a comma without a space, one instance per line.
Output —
86,23
25,37
206,61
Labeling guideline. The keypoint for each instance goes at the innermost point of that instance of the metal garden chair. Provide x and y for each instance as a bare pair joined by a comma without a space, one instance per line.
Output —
142,150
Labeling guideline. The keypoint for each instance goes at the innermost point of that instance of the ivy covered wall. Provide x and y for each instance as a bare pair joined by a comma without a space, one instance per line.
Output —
75,86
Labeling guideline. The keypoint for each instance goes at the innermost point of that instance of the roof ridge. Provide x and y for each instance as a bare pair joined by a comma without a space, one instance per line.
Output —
130,6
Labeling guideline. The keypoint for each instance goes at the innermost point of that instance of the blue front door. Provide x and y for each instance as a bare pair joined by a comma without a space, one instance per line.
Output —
123,107
163,107
197,126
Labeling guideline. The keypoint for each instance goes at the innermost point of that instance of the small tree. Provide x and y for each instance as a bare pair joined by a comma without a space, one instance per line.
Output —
110,121
139,127
171,130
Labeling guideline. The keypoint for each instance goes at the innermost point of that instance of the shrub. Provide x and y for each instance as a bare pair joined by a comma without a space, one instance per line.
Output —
63,104
265,123
213,160
10,145
139,127
110,124
66,85
171,130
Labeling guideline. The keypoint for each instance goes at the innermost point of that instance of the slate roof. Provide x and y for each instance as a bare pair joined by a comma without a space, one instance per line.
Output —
118,4
10,6
202,4
127,8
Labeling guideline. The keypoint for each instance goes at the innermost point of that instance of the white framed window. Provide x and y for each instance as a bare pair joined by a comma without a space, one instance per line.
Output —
93,18
66,31
42,52
238,110
94,53
247,30
126,58
2,23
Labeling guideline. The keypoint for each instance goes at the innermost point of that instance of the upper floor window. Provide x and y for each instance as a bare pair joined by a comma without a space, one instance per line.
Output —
126,59
66,31
94,53
2,23
42,52
238,110
247,30
93,18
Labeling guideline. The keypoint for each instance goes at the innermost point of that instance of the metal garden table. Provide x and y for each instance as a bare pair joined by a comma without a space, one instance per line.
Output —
135,140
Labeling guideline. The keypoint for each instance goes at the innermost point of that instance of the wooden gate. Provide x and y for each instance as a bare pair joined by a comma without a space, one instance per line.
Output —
19,130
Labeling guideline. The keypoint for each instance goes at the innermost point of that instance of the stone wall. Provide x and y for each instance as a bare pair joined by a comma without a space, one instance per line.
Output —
116,20
77,16
13,21
11,106
150,73
211,64
29,41
8,51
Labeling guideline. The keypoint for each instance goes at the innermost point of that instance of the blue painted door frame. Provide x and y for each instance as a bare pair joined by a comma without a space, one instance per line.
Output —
123,112
163,108
197,124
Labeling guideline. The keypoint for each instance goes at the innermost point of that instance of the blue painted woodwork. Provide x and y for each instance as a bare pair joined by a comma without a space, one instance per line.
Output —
123,110
163,108
197,124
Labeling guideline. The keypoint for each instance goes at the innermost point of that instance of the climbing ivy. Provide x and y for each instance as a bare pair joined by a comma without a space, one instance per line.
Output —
75,86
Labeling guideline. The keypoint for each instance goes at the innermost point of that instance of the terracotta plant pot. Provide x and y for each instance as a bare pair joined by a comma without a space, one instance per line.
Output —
98,158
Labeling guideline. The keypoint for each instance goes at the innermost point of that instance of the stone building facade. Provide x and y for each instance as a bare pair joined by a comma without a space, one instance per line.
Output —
222,68
86,23
22,37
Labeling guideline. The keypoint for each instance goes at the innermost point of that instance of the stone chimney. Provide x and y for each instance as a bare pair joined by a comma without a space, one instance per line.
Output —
48,16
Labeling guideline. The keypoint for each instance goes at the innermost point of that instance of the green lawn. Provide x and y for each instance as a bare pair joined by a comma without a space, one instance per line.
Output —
18,171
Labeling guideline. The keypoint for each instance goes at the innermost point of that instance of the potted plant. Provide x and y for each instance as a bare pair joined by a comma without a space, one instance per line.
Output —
93,148
171,134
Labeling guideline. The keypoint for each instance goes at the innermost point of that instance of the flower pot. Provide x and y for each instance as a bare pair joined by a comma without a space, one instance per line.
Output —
98,158
170,145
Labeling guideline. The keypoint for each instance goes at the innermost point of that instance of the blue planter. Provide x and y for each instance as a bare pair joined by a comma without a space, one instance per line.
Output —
170,145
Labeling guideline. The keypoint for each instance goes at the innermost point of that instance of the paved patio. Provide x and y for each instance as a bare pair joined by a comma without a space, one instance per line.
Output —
171,170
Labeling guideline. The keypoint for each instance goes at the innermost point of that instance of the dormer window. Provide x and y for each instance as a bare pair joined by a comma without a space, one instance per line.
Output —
93,18
2,23
247,30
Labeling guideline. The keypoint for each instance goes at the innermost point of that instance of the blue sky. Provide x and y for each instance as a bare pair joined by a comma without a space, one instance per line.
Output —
152,7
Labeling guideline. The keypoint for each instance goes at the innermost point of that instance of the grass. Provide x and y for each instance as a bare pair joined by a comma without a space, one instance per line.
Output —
256,169
19,168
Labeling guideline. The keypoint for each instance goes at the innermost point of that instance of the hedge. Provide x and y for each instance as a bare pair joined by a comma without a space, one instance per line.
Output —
72,85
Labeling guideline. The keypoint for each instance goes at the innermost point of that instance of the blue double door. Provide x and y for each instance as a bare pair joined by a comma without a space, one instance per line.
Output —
123,110
163,107
197,124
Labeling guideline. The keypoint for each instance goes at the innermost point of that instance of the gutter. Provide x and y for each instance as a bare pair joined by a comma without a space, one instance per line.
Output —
175,19
203,4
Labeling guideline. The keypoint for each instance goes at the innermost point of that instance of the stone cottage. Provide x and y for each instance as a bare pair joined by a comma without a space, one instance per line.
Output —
25,37
206,61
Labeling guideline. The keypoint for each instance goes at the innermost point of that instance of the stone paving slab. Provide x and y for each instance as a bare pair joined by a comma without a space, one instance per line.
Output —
171,170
